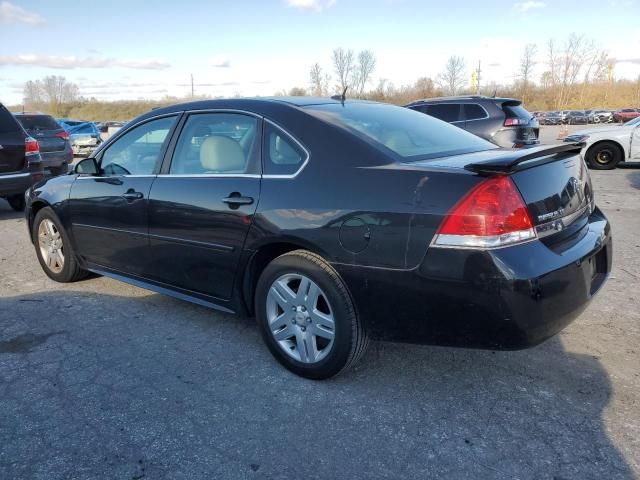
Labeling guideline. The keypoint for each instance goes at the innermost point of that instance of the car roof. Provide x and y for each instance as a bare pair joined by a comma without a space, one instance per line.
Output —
465,98
258,105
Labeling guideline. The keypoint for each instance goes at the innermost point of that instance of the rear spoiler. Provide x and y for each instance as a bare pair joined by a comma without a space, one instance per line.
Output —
510,163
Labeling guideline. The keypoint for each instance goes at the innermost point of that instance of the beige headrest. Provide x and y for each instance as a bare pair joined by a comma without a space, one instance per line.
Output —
398,140
221,154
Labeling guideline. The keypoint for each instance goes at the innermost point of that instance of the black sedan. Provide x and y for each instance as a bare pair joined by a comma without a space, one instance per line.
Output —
333,222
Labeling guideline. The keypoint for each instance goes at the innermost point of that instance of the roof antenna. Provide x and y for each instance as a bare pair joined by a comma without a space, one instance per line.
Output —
342,97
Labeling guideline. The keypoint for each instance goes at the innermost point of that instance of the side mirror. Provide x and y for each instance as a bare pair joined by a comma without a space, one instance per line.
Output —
88,166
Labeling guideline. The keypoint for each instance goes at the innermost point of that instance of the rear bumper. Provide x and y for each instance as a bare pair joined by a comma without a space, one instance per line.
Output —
15,183
503,299
56,159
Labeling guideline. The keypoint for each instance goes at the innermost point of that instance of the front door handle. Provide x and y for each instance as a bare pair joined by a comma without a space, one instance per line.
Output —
132,195
235,199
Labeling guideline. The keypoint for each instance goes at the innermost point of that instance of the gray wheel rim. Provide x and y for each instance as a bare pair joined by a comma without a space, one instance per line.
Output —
300,318
51,246
604,156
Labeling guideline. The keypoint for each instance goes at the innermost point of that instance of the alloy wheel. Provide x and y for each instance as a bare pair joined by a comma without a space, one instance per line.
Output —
604,156
51,246
300,318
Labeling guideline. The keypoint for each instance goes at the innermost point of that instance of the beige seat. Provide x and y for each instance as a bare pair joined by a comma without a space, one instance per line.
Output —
398,141
220,154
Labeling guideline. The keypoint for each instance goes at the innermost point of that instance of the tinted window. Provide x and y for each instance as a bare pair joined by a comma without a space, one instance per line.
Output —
407,133
448,112
516,111
473,111
283,156
137,151
8,123
38,122
215,143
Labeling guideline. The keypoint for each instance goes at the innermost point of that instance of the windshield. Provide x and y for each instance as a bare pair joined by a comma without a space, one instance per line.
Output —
407,133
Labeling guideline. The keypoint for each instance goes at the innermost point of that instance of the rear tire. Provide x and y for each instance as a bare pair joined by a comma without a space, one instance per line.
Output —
298,296
17,202
604,156
53,248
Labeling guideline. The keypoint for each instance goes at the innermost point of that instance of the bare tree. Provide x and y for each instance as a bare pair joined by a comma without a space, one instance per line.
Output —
316,78
424,87
344,65
365,67
452,79
527,64
565,64
50,93
297,92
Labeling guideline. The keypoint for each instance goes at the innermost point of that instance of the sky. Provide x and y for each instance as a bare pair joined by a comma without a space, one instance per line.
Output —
130,49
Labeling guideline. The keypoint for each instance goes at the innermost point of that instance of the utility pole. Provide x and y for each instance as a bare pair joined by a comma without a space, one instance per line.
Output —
478,79
192,85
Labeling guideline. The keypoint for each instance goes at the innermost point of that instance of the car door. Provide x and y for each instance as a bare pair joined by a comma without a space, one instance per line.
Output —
635,143
109,211
203,202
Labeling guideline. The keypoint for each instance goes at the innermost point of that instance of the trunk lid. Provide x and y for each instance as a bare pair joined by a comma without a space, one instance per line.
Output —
553,181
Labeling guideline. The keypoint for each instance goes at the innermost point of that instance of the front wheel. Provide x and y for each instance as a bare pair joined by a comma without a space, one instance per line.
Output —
604,156
307,317
53,248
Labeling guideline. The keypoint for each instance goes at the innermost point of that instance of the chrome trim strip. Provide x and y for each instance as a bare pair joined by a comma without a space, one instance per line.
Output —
195,243
558,224
209,175
15,175
93,177
107,229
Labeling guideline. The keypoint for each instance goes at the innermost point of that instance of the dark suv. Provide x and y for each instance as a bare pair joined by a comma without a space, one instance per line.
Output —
20,161
55,147
502,121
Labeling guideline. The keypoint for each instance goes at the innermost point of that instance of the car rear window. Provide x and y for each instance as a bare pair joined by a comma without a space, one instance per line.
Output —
405,132
516,111
38,122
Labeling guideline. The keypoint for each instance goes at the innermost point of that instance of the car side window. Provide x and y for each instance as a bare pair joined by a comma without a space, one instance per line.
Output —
215,143
473,111
137,152
448,112
282,154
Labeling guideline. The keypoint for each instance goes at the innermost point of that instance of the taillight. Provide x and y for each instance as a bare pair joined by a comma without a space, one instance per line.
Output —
510,122
63,135
31,146
491,215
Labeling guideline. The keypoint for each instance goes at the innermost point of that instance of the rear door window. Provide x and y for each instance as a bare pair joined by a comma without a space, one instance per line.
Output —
473,111
448,112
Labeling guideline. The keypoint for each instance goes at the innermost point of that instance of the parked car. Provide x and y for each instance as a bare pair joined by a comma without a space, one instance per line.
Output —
502,121
55,146
603,116
607,147
576,117
85,136
625,114
20,161
427,234
104,127
551,118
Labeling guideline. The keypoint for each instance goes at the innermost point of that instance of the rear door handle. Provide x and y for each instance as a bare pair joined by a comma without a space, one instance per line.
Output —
236,199
131,195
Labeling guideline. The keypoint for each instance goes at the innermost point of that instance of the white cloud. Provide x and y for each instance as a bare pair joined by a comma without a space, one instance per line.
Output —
220,61
71,62
524,7
315,5
10,13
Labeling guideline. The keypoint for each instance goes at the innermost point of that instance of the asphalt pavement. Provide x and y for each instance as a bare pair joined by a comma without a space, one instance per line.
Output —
101,380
